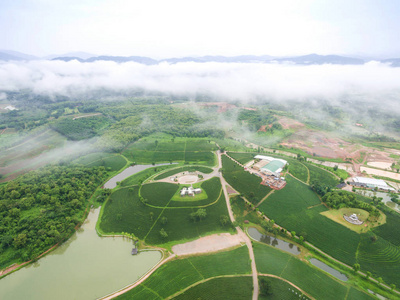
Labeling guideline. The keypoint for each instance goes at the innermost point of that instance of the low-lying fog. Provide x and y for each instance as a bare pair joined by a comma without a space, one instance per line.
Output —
235,81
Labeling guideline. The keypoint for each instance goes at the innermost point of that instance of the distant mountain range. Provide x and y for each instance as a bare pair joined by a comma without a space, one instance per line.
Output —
311,59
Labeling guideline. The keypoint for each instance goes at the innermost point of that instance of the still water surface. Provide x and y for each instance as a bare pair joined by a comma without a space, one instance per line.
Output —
112,183
85,267
328,269
277,243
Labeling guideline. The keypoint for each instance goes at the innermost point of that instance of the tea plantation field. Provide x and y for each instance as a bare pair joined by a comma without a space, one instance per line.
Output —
297,208
125,212
183,169
112,162
243,181
221,288
177,275
313,281
152,150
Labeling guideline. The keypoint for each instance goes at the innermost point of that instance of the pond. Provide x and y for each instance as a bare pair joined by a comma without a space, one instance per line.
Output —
112,183
319,264
85,267
277,243
385,198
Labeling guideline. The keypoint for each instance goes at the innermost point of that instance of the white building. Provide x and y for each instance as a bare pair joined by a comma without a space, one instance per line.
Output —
190,191
371,183
274,166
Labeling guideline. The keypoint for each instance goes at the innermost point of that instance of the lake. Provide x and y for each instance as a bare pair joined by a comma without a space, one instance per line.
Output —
112,183
85,267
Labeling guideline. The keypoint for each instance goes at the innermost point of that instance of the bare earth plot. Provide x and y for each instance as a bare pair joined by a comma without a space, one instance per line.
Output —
380,165
211,243
387,174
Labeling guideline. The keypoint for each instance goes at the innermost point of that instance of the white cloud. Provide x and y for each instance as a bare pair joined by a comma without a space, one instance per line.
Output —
230,81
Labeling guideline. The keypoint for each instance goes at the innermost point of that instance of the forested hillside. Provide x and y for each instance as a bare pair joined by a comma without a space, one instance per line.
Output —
42,208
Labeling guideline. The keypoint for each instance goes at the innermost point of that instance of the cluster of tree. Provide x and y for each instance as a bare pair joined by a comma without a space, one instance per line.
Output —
198,215
82,128
104,194
342,199
42,208
319,188
265,287
257,118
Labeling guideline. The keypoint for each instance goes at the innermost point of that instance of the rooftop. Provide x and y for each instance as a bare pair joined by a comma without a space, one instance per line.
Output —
275,165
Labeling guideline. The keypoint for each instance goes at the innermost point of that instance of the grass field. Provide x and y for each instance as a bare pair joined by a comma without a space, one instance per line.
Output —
220,289
177,275
124,212
184,169
112,162
197,197
243,181
211,188
155,149
313,281
337,216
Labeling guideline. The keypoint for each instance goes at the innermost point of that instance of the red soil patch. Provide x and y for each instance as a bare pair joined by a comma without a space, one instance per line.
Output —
264,128
288,123
230,190
222,106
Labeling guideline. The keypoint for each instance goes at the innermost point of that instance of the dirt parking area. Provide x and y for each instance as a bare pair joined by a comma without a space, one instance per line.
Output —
387,174
211,243
188,179
380,165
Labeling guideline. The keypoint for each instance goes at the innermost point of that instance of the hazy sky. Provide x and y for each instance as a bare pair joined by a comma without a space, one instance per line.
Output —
160,28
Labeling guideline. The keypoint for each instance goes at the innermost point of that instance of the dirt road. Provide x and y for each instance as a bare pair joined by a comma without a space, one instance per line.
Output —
241,233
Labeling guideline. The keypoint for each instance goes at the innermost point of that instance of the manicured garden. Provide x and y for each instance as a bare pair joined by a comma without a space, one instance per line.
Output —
153,211
179,274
